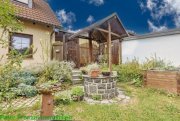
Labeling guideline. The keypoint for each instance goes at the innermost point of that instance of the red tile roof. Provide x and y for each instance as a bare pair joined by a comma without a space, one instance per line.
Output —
40,12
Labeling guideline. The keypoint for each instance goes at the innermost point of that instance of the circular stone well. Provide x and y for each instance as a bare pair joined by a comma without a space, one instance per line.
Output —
103,87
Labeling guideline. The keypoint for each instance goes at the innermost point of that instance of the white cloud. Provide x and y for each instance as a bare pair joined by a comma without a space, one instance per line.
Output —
90,19
154,28
66,17
151,4
73,31
96,2
162,8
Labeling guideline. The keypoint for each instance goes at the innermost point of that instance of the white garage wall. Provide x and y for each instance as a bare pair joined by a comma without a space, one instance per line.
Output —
165,47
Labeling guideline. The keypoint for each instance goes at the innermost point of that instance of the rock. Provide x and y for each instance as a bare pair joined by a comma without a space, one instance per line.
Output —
105,102
127,97
122,96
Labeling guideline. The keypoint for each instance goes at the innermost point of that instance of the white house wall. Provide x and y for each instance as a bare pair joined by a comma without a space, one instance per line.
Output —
165,47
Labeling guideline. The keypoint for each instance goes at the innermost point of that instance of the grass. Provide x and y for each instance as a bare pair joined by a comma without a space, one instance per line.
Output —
145,105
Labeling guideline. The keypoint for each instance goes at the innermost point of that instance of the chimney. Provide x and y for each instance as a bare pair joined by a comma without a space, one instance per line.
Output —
30,3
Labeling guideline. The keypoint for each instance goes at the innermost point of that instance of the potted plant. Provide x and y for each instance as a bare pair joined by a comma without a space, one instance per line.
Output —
77,94
84,70
106,72
93,70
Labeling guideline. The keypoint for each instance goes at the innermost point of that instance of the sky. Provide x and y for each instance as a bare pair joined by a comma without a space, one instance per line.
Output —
138,16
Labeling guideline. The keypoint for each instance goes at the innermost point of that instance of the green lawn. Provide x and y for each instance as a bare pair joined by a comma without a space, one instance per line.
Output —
145,105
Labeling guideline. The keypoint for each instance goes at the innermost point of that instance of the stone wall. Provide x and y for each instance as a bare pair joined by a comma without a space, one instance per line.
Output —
104,87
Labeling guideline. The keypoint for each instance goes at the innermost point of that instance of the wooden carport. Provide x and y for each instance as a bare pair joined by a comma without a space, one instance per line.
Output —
103,31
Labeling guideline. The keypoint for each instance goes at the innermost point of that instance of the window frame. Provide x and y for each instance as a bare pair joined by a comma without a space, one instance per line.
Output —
23,36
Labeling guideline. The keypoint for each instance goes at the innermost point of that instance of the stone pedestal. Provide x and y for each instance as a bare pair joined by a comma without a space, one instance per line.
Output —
104,87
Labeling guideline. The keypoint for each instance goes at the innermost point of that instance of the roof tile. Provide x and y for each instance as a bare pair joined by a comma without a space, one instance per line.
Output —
40,12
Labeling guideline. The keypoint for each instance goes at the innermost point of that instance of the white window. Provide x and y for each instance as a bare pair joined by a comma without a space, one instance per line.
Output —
23,1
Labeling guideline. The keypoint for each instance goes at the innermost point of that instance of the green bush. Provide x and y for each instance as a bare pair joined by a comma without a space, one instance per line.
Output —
25,90
129,71
77,91
62,99
132,71
55,70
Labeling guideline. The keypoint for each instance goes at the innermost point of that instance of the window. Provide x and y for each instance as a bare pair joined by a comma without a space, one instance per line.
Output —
22,43
23,1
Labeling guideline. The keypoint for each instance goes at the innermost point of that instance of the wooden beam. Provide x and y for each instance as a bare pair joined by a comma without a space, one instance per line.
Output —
90,49
120,52
64,47
109,48
106,31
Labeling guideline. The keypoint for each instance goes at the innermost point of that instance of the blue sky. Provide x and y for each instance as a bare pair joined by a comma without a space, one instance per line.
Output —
139,16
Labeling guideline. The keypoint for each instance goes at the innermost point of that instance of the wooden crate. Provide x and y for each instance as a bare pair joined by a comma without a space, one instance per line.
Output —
165,80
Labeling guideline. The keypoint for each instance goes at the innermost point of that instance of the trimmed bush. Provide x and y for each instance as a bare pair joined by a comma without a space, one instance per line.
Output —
25,90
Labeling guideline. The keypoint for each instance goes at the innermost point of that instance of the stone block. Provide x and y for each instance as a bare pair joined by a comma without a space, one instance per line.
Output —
97,80
109,86
105,80
100,91
105,96
111,95
101,86
92,89
111,80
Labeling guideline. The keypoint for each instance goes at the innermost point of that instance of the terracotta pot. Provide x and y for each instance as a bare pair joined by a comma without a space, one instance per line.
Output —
94,73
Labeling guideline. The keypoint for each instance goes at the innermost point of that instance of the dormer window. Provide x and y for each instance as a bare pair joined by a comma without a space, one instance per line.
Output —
29,3
23,1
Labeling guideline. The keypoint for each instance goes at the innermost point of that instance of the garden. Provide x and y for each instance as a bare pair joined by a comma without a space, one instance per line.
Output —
102,95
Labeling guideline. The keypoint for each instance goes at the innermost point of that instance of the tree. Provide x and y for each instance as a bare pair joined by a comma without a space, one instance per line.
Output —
8,20
8,23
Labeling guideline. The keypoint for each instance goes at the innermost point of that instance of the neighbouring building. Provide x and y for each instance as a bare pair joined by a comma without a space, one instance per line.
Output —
39,23
164,45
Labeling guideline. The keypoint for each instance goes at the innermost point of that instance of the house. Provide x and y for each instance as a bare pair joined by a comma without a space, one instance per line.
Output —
39,23
164,45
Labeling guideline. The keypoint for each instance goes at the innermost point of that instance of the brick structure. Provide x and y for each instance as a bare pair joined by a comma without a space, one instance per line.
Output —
105,87
165,80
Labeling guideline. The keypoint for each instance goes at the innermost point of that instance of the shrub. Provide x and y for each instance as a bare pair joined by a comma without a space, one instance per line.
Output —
155,62
26,77
55,70
132,71
25,90
129,71
77,91
62,99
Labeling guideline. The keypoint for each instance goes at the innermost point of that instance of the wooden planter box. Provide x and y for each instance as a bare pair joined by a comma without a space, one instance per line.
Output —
165,80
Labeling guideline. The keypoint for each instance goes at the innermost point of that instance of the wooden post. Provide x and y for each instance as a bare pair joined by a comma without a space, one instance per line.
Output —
90,49
64,47
120,52
109,48
47,104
